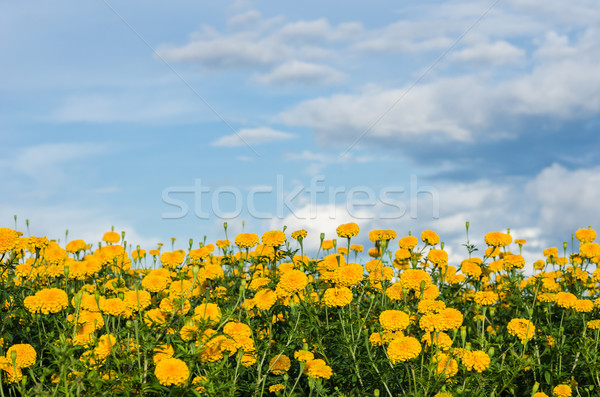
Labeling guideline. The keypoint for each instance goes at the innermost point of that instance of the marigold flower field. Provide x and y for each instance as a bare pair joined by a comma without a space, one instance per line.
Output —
256,316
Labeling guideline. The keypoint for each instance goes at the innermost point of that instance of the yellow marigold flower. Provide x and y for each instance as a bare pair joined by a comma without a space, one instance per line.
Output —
430,306
138,253
246,240
176,305
446,365
337,296
95,319
497,239
46,301
485,298
236,329
476,360
264,299
13,375
342,250
402,254
521,328
155,281
520,241
356,248
562,391
539,264
304,356
113,306
430,237
585,235
412,279
26,355
291,282
275,388
154,317
170,260
566,300
199,254
37,243
589,250
437,257
540,394
198,383
347,230
248,359
223,243
54,254
172,371
593,324
381,235
394,320
280,364
154,252
111,237
584,305
8,240
349,275
374,252
162,352
273,238
550,341
403,348
408,242
448,319
318,369
327,245
75,246
441,339
299,234
443,394
470,268
394,292
258,282
513,262
550,252
137,300
104,346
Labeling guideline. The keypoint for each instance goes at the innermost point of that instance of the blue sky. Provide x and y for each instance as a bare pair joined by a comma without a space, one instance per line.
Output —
404,116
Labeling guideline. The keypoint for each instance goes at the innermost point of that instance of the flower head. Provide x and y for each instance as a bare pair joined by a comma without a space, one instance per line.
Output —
347,230
403,348
273,238
280,364
172,371
246,240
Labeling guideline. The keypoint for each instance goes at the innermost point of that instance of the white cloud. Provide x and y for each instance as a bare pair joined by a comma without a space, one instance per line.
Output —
298,72
461,108
567,200
235,51
497,53
244,20
445,107
252,136
316,162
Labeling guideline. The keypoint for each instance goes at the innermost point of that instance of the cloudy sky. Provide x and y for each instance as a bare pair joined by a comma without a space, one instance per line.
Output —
165,120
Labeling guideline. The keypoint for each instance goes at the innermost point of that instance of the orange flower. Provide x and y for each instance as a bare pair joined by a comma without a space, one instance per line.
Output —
172,371
111,237
273,238
347,230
